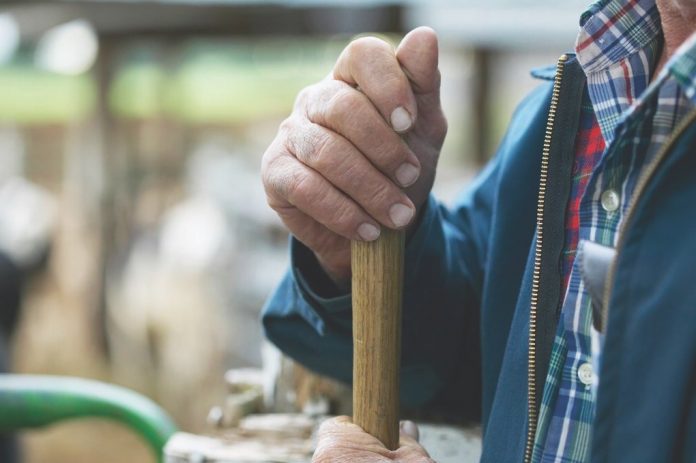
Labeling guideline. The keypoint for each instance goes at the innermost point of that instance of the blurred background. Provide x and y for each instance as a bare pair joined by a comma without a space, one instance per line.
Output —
136,246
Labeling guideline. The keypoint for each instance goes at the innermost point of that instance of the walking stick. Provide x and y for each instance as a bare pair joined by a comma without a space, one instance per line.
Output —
377,268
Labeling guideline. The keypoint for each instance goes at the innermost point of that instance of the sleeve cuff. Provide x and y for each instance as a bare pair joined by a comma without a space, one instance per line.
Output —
417,242
313,282
318,288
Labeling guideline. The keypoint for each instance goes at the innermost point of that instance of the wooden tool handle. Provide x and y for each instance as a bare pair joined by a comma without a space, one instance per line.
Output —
377,268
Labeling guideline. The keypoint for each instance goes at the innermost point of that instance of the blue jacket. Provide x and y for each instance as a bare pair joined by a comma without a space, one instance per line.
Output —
468,274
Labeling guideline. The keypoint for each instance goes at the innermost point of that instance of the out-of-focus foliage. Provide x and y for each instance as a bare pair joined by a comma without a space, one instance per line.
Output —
210,83
236,84
31,96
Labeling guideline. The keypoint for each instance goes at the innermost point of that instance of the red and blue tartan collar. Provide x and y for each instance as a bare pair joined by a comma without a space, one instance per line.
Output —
613,30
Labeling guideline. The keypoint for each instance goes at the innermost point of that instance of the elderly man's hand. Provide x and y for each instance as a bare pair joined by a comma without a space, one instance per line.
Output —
341,441
338,167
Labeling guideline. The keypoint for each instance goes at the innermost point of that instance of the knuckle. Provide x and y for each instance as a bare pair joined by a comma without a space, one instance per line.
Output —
283,182
365,46
275,205
344,104
271,173
267,180
310,98
303,96
323,149
286,127
284,142
314,147
306,95
267,162
299,187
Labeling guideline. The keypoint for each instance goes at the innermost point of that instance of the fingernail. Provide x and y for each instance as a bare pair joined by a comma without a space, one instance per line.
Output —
368,232
401,120
400,214
407,174
409,428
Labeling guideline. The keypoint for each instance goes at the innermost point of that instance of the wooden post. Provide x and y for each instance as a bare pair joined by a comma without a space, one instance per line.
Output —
377,282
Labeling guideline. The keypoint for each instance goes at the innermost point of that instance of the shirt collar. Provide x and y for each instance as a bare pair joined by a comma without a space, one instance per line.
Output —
612,30
618,47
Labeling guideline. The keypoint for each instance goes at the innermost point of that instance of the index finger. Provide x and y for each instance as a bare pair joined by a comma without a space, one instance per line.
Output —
370,63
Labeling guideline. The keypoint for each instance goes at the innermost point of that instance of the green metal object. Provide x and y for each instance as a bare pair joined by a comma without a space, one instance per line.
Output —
28,401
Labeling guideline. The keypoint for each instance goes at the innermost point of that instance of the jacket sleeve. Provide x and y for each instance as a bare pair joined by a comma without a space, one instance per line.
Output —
443,276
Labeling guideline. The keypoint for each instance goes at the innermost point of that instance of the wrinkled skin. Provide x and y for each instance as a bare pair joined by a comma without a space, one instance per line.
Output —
359,151
341,441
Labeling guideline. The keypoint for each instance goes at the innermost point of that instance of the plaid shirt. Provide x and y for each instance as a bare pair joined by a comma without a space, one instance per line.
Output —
589,146
618,46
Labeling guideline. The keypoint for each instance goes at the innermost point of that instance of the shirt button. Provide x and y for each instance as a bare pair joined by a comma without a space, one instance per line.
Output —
585,374
610,200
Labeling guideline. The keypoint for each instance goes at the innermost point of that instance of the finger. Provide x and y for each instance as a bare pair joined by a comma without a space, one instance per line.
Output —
339,162
331,249
342,433
291,183
409,429
349,112
410,451
417,54
370,63
331,246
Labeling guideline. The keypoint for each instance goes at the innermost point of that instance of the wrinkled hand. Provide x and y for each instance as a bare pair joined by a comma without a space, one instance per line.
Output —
339,165
341,441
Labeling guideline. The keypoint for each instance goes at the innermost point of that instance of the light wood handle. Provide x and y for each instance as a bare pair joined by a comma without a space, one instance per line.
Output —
377,269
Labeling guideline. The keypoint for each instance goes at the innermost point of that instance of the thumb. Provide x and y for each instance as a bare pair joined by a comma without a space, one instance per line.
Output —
410,429
418,55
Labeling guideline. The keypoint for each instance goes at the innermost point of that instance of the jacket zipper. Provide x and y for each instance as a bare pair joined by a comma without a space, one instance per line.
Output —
536,276
638,192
